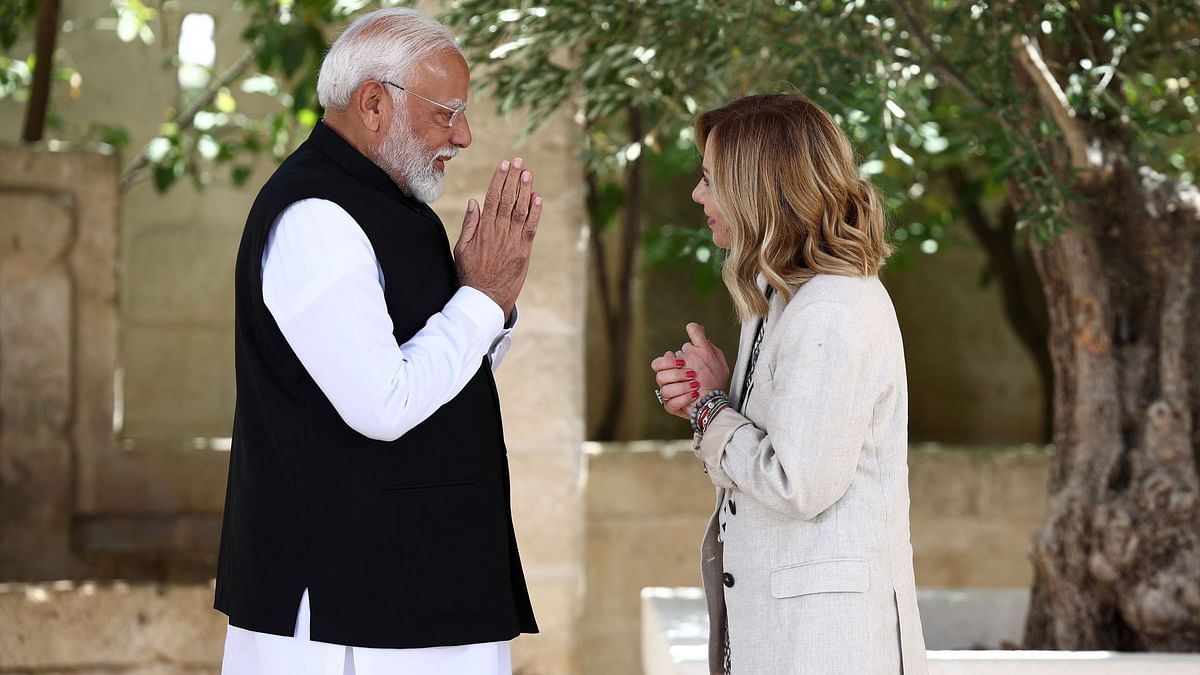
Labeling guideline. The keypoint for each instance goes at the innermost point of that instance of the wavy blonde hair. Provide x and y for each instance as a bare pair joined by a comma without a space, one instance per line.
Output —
785,179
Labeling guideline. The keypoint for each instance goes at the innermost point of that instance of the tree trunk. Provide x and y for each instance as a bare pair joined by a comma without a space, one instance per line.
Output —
618,309
1117,559
39,92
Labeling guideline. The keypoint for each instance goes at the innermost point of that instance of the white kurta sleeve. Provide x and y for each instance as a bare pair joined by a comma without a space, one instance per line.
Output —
324,287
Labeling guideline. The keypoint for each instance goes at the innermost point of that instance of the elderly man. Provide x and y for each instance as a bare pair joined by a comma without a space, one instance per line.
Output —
367,524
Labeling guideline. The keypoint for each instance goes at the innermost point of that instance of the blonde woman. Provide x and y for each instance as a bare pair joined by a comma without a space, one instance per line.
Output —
807,564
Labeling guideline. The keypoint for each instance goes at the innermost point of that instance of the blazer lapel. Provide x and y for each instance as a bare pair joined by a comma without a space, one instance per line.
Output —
745,343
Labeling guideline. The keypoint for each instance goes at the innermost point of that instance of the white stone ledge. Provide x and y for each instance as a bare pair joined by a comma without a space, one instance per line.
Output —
998,662
675,636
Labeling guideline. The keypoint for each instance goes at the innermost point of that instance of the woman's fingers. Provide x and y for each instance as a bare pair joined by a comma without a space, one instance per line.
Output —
680,405
664,362
678,389
672,375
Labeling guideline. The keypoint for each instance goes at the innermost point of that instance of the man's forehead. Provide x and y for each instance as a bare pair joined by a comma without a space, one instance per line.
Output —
446,72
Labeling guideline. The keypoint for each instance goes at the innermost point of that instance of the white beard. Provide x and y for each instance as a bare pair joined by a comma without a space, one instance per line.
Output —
409,165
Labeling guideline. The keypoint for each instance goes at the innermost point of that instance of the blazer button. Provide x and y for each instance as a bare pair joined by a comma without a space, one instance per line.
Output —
727,579
732,507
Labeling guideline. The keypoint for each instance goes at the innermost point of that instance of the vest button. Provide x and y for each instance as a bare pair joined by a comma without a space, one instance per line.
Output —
727,579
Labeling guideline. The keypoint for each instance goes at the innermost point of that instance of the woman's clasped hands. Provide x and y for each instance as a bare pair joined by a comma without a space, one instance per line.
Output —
688,374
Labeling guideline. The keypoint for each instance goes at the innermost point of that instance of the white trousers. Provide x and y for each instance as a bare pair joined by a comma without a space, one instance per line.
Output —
251,653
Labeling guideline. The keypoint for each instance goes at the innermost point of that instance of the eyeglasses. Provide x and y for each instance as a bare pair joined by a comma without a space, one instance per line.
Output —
456,111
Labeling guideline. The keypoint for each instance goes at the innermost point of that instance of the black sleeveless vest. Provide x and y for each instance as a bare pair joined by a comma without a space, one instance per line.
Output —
401,544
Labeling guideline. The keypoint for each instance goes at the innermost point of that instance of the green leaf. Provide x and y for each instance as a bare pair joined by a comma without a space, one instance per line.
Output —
292,53
165,176
240,174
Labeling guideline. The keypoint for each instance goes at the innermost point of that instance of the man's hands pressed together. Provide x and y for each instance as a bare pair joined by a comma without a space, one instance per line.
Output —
492,253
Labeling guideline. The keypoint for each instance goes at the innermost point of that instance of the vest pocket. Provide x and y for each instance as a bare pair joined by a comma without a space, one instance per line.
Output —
447,550
428,486
829,575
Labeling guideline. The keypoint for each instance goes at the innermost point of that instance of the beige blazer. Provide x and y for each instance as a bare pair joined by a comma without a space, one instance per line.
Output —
815,573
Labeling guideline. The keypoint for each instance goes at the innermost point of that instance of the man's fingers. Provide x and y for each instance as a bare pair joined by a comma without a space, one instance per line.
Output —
470,223
696,334
524,194
491,201
535,216
508,194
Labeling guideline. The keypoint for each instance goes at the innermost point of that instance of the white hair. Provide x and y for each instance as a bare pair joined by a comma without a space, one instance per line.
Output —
381,45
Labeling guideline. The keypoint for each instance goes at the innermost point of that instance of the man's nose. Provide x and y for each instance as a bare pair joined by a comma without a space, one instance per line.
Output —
460,133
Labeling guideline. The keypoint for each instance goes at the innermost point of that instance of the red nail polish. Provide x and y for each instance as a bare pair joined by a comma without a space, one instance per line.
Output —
679,362
695,385
690,374
695,394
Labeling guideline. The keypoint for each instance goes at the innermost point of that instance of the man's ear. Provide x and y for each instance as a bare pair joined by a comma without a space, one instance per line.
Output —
370,105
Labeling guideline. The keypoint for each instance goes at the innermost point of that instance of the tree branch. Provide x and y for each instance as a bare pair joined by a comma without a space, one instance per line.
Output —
1118,52
939,64
599,259
948,71
185,119
1052,96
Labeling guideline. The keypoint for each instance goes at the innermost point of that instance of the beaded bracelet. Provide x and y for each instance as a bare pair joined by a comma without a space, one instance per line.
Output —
707,408
710,413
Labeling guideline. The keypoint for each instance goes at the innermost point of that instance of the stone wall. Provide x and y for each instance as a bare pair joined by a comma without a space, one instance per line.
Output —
974,511
115,628
58,331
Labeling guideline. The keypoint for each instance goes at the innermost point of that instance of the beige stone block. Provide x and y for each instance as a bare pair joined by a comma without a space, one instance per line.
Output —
35,231
556,603
641,484
178,381
970,552
625,555
35,361
612,649
547,509
157,477
944,481
541,390
181,274
1016,484
57,330
109,626
545,655
35,508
